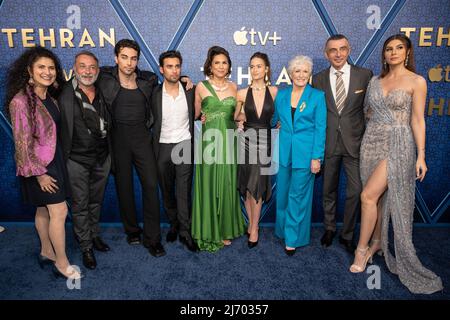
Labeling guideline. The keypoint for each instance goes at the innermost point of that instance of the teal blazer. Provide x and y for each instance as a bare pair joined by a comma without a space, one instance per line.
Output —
303,139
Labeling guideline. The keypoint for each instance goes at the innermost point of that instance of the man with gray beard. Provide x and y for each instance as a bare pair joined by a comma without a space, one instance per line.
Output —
84,132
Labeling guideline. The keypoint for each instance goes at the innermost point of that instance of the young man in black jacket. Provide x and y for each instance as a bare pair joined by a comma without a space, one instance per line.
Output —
127,92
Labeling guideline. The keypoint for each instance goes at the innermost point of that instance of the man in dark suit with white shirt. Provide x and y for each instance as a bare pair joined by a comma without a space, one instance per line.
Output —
173,136
345,88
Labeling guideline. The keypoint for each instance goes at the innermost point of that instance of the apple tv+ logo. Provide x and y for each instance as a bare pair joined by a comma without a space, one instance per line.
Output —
436,75
240,37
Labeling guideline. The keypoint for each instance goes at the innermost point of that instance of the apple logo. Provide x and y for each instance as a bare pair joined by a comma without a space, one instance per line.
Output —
240,37
435,74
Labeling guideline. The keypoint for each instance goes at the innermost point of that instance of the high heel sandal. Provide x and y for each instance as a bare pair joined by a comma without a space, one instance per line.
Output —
58,274
379,251
354,268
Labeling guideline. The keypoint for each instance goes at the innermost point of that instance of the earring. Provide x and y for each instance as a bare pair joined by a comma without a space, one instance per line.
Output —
266,79
31,81
406,61
55,84
384,64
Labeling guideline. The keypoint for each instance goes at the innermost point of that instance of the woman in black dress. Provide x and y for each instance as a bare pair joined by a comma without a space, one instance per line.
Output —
255,109
31,91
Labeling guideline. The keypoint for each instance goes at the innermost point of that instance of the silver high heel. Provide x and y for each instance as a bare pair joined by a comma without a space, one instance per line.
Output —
354,268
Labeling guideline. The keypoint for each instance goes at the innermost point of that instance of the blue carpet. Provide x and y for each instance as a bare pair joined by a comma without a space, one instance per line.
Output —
234,273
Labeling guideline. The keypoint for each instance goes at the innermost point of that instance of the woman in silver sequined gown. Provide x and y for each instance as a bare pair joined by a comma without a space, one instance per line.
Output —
394,107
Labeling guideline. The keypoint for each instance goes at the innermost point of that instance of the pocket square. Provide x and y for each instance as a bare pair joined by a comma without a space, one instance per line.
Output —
359,91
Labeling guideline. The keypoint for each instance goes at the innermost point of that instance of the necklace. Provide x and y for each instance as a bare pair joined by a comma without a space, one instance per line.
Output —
219,89
258,88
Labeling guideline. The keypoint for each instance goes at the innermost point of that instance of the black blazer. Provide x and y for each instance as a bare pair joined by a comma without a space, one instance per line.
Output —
67,102
156,107
109,83
350,123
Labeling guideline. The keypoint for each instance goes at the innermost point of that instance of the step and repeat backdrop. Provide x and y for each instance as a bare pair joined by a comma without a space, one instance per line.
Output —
282,29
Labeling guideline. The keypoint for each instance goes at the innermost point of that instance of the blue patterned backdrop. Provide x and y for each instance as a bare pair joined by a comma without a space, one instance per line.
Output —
282,29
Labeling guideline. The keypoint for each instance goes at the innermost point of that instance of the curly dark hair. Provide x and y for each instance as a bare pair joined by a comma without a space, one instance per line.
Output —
212,52
18,76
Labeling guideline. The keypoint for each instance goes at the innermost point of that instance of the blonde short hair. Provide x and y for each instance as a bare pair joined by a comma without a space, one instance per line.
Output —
297,61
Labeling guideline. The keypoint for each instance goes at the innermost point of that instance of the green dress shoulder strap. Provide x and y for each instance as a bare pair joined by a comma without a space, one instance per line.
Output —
210,88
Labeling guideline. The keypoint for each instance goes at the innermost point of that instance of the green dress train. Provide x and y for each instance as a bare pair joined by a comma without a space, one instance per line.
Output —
216,210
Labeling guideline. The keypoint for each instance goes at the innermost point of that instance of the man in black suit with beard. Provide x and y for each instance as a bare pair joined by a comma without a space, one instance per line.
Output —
345,88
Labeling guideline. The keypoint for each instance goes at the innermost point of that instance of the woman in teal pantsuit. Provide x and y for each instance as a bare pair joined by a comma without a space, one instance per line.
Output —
301,113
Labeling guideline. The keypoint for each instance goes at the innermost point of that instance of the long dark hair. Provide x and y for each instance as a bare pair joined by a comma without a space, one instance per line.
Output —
212,52
265,58
18,76
409,54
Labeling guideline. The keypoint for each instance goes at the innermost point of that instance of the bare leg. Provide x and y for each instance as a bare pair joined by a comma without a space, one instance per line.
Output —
375,243
57,232
374,188
248,208
256,213
42,221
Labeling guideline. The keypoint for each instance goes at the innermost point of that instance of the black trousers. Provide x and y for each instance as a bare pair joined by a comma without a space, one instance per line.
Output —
176,184
332,170
88,188
132,147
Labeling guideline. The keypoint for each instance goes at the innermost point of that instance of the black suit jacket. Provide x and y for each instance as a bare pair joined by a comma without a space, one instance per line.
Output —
67,102
156,107
350,123
109,83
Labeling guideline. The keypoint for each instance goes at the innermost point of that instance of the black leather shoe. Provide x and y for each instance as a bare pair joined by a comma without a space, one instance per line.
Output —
44,261
156,250
189,243
134,239
290,252
99,245
89,259
327,238
348,244
252,244
172,235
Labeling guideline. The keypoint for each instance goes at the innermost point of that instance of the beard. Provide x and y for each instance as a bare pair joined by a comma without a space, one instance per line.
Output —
85,81
172,80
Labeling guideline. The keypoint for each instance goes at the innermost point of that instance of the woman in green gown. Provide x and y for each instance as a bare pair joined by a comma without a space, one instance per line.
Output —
216,211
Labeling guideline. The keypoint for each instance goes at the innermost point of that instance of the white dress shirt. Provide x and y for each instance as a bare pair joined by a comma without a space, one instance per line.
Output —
175,117
345,77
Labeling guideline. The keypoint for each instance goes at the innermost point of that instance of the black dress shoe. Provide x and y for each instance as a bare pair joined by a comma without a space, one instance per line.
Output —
252,244
44,261
99,245
156,250
327,238
189,243
89,259
172,235
348,244
134,239
290,252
